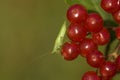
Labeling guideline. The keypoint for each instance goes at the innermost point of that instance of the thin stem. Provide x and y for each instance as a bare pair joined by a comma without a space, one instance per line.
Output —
111,28
118,47
115,53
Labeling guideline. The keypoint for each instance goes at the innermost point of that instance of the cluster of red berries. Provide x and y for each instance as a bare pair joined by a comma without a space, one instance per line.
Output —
86,32
112,7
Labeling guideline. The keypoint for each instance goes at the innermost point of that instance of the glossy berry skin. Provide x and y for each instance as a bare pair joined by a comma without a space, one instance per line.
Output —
117,32
90,75
104,78
102,37
116,16
76,32
95,59
87,46
110,6
108,69
70,51
76,13
118,63
94,22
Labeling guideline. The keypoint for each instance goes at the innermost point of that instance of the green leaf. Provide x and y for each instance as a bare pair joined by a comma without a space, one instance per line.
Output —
59,39
91,5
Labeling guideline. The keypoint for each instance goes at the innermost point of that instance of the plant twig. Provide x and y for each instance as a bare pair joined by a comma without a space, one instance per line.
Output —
115,53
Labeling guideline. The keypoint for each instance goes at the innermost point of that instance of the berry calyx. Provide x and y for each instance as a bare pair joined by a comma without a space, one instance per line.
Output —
90,75
87,46
102,37
76,13
95,59
94,22
70,51
76,32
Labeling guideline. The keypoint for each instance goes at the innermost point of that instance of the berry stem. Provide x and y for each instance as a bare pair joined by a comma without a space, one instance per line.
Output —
96,7
115,53
111,28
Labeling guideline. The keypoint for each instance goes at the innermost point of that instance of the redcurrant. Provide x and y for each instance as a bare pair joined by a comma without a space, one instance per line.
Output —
118,63
76,13
86,46
102,37
110,6
117,31
108,69
116,16
95,58
76,32
94,22
70,51
90,75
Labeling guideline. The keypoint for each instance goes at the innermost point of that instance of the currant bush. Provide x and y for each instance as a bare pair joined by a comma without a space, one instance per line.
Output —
87,32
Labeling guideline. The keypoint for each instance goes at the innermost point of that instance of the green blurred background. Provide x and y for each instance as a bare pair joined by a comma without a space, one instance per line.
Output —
28,29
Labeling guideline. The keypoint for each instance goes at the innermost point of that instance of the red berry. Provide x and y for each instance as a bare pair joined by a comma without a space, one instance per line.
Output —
104,78
94,22
76,32
70,51
76,13
117,31
118,63
95,58
116,16
102,37
110,6
90,75
108,69
87,46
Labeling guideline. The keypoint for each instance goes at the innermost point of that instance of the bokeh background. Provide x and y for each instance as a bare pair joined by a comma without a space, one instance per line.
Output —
28,29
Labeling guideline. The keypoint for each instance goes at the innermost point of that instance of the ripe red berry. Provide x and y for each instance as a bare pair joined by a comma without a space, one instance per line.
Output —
70,51
90,75
110,6
87,46
108,69
102,37
116,16
117,31
76,32
95,59
104,78
94,22
76,13
118,63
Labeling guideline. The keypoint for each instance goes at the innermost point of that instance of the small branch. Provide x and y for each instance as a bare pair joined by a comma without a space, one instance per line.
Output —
114,55
111,28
